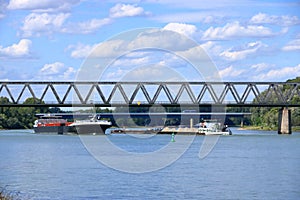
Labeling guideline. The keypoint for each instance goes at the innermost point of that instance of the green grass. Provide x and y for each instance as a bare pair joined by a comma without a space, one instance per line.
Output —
267,128
296,128
262,128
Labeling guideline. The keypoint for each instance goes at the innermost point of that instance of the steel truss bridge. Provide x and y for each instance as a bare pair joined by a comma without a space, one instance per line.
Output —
113,94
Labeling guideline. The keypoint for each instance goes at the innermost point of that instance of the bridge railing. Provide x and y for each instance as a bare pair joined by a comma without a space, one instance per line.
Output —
16,93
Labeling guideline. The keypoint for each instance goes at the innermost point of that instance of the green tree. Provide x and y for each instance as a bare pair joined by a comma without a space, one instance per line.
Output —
19,117
267,116
14,123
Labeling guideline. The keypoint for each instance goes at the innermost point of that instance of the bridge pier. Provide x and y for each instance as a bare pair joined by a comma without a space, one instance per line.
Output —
284,121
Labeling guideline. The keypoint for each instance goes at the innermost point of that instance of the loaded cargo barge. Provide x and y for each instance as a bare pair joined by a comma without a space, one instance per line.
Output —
56,125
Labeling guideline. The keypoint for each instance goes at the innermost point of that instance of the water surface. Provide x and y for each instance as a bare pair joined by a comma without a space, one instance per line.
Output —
247,165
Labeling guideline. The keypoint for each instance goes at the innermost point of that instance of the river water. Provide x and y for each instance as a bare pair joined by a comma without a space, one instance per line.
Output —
247,165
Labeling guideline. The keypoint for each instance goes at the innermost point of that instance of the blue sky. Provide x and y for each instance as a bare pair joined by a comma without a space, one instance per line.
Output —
246,40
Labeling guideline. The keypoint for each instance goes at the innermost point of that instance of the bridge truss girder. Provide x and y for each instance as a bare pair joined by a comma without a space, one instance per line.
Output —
112,94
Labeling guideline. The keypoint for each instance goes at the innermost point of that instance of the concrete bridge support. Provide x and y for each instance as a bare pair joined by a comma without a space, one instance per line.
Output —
284,121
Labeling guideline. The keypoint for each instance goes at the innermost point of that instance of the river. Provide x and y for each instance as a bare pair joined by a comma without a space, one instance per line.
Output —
247,165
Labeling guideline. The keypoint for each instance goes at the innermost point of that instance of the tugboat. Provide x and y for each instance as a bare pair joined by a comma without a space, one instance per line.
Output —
203,128
213,128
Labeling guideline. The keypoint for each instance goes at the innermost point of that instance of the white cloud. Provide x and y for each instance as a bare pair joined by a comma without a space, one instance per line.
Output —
86,26
186,29
56,71
125,10
38,24
191,17
3,5
110,48
131,62
230,72
284,20
293,45
280,74
21,49
235,30
153,72
81,50
212,48
52,69
160,39
242,52
260,67
42,5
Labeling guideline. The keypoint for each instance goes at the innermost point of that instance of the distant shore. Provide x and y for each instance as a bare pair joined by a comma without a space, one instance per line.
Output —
266,128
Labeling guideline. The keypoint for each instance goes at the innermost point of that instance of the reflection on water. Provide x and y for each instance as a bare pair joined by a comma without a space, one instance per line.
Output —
246,165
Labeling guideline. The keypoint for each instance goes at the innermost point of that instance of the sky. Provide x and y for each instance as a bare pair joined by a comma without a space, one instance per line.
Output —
245,40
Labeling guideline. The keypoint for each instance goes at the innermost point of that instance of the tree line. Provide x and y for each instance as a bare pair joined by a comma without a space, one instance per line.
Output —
19,117
24,117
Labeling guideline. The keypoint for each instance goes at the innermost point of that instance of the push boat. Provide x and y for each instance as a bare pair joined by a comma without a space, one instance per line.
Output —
92,126
57,125
203,128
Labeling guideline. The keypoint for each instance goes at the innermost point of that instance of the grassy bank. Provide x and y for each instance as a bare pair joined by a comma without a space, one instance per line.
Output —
260,128
296,128
267,128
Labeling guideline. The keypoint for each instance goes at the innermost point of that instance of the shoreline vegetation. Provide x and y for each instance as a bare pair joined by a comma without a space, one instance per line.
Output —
267,128
6,196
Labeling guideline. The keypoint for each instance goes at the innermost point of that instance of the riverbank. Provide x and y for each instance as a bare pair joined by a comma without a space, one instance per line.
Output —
267,128
4,196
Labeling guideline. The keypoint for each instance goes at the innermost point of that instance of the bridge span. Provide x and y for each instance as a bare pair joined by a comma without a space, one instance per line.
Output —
113,94
167,94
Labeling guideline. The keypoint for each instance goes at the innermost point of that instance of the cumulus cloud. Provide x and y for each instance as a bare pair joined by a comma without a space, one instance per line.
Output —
242,52
293,45
86,27
80,50
42,5
160,39
212,48
19,50
186,29
280,74
284,20
260,67
56,71
192,17
46,23
126,10
230,72
36,24
235,30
